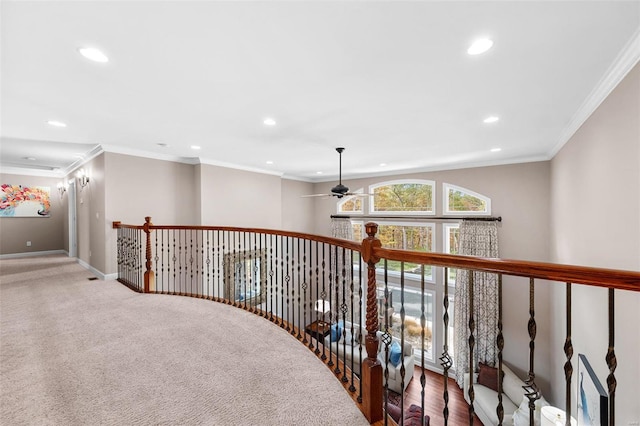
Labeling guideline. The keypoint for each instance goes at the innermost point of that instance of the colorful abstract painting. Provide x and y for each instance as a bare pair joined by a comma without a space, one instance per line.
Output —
24,201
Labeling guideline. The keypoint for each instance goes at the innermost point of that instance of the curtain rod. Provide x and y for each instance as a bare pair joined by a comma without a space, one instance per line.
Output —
425,218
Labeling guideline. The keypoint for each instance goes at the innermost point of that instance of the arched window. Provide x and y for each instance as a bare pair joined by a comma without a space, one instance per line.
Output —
403,197
462,201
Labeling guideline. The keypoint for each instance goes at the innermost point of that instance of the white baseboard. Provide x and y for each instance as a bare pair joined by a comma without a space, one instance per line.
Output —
32,254
103,277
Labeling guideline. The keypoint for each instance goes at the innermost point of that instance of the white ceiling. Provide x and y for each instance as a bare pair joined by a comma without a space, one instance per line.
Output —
390,81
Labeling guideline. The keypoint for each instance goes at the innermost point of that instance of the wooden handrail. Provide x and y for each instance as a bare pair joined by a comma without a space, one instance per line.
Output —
601,277
351,245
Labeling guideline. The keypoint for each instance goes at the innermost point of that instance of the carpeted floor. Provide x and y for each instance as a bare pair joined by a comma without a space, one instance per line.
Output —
81,352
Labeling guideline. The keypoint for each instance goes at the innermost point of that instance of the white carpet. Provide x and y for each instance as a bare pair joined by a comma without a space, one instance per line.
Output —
80,352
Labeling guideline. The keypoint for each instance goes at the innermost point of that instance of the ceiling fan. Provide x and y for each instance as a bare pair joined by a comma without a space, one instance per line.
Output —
339,190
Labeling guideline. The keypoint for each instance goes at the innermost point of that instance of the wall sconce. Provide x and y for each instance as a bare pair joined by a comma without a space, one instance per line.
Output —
83,178
62,188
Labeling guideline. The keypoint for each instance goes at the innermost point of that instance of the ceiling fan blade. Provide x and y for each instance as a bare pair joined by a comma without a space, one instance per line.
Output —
316,195
357,194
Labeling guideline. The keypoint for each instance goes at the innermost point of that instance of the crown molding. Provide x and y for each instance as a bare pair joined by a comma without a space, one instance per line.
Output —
624,62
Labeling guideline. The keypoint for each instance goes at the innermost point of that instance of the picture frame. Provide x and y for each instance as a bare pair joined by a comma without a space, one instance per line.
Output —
592,399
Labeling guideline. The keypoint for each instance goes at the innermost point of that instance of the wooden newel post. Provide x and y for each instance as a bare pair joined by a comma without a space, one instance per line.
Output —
371,381
149,275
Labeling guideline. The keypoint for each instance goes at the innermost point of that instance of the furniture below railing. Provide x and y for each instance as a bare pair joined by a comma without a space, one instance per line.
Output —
313,287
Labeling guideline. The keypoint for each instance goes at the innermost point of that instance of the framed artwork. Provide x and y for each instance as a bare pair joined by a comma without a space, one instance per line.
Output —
24,201
592,398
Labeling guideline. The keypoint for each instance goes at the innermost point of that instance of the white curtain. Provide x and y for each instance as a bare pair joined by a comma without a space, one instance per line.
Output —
341,228
476,238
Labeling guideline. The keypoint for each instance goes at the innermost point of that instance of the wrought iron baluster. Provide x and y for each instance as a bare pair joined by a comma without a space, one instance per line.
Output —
163,234
287,280
226,272
423,324
257,264
531,389
305,285
271,273
291,292
298,336
281,281
445,359
343,309
354,338
317,245
386,339
324,295
568,351
402,354
217,285
500,345
612,362
362,337
472,341
332,304
261,284
174,258
242,244
156,259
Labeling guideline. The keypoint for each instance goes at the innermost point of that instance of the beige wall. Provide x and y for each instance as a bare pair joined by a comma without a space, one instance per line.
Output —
44,233
137,187
520,194
231,197
298,213
595,196
90,214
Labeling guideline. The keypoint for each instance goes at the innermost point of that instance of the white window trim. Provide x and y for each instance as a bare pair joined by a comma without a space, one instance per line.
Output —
445,201
446,246
372,207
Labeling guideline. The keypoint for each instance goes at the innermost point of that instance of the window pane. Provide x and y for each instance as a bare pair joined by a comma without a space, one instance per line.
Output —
352,204
465,201
358,232
413,312
403,197
403,237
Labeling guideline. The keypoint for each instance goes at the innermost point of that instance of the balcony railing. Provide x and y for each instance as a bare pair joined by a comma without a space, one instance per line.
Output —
323,291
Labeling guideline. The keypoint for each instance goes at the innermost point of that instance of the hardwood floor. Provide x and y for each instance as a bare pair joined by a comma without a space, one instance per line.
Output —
434,402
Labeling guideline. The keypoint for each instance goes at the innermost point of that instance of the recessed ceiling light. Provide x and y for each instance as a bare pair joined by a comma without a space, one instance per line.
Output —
496,149
383,164
269,122
30,158
195,147
93,54
55,123
480,46
318,173
269,162
491,119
